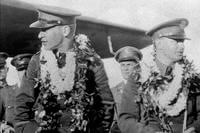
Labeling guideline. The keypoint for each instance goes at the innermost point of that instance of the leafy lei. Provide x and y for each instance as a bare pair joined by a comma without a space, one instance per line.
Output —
164,96
63,89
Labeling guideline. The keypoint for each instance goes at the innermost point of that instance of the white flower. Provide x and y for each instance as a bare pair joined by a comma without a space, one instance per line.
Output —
42,114
36,113
82,40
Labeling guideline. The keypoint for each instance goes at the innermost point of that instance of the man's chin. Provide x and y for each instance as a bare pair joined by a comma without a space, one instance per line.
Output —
178,59
46,48
49,48
125,77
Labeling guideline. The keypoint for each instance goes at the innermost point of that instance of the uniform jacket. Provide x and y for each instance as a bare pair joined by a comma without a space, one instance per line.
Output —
7,102
130,113
117,93
27,95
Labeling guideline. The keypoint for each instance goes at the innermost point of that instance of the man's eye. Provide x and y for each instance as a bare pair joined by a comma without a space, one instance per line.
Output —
179,40
45,29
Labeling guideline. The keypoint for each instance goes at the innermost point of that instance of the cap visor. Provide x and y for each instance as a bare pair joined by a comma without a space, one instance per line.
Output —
128,59
40,25
178,37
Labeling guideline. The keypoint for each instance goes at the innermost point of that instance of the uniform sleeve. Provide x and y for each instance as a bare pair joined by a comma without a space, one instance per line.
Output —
25,95
196,123
106,96
2,108
101,80
129,111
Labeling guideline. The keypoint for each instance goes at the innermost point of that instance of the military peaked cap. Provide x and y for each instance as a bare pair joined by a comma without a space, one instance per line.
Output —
172,29
128,53
49,16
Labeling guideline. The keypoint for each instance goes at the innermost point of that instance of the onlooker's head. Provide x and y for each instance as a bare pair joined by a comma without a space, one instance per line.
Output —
20,62
128,58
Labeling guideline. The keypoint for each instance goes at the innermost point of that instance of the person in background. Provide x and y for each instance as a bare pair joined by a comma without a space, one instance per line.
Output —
7,94
65,88
20,62
129,59
166,97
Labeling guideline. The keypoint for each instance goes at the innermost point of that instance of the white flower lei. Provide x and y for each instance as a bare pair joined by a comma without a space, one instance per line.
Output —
68,84
62,79
163,98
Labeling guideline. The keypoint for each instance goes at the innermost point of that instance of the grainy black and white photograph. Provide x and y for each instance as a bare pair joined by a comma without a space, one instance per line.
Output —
94,66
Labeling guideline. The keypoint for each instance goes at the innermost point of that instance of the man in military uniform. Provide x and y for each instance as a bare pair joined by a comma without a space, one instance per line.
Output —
168,41
57,35
20,62
7,94
128,58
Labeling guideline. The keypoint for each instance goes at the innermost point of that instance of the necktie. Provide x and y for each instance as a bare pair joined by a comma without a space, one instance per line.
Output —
168,71
61,60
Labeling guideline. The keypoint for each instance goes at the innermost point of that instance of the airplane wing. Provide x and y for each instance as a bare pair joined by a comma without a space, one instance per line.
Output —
16,36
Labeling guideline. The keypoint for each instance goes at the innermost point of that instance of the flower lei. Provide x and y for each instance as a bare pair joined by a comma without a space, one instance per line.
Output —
164,96
64,89
59,81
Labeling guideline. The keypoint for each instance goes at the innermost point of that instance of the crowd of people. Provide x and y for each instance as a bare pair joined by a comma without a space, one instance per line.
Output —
64,87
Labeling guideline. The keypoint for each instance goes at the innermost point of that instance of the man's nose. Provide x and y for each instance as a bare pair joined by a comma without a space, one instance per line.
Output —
181,45
125,68
41,34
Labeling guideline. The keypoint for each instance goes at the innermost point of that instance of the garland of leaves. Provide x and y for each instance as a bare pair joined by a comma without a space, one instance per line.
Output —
156,83
76,102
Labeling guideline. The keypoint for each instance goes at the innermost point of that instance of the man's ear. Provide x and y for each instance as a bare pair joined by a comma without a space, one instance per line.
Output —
66,30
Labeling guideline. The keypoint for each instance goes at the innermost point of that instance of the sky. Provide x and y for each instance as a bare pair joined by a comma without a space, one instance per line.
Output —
142,14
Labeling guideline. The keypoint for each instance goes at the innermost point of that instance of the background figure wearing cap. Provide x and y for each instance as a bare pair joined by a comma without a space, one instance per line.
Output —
158,90
65,62
128,58
6,98
20,62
